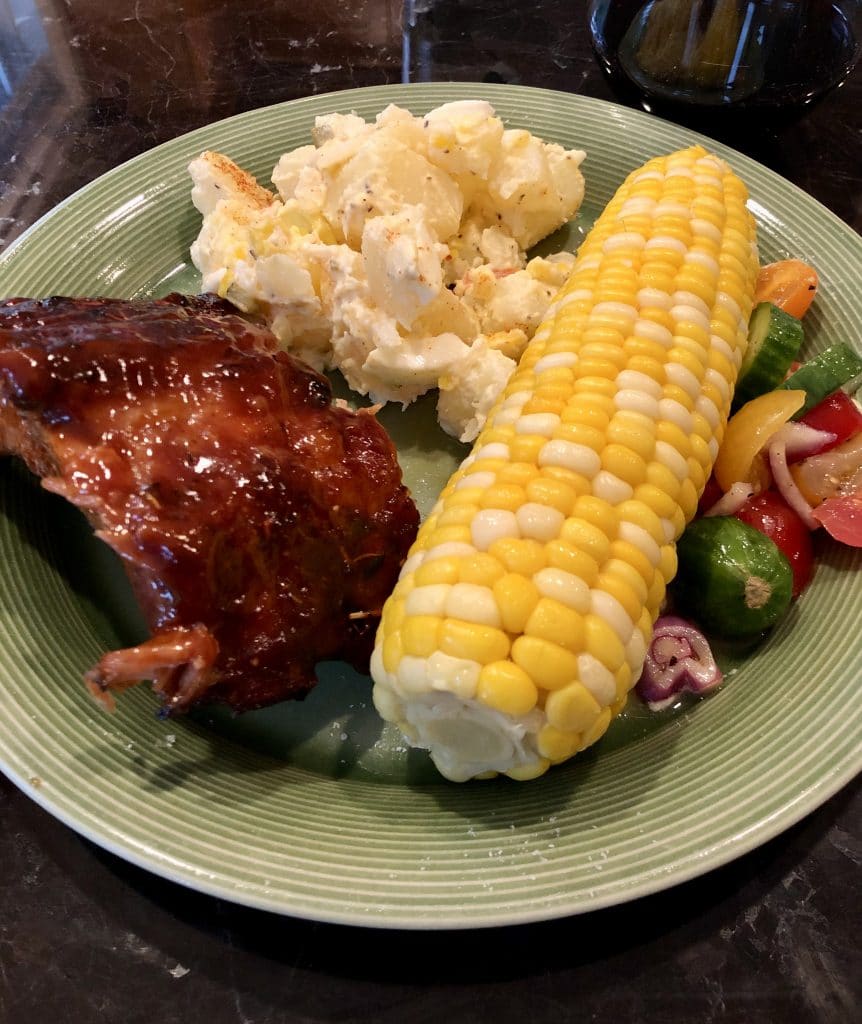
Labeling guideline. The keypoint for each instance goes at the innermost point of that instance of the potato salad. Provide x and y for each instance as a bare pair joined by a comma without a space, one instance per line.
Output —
396,251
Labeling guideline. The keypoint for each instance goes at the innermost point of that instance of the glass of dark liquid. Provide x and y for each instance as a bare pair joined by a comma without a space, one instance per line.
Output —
715,62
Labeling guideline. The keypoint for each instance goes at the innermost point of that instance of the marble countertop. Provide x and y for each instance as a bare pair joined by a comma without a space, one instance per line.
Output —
86,937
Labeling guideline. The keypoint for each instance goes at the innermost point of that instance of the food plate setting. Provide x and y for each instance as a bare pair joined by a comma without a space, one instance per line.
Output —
318,809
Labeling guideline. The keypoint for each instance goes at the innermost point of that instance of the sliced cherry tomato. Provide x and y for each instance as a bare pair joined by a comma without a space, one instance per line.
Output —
789,284
842,518
837,414
770,513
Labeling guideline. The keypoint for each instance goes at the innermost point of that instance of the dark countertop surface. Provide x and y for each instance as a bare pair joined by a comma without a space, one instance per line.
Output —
85,937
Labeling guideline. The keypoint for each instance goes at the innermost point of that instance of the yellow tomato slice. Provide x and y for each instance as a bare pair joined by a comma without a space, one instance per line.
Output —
831,474
748,432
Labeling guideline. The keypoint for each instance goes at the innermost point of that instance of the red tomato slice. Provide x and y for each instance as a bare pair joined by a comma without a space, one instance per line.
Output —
770,513
837,414
842,518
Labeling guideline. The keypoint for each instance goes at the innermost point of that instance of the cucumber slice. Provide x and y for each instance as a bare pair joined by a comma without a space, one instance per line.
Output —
823,374
774,341
731,577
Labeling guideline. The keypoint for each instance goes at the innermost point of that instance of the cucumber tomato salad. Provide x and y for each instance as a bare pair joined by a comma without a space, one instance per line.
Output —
790,464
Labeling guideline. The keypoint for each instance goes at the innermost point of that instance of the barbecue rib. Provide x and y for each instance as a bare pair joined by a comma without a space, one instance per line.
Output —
262,527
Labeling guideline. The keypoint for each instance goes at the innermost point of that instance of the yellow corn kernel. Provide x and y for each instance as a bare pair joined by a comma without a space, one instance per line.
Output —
519,555
572,709
516,597
641,515
624,463
557,746
598,729
420,635
556,622
561,555
466,496
696,477
457,515
657,499
618,706
580,410
526,447
548,665
393,616
628,574
651,366
528,772
393,652
580,433
660,477
688,498
588,538
482,569
438,570
621,591
597,388
498,435
598,514
635,431
506,687
624,680
552,493
656,593
517,473
577,481
627,552
668,563
473,641
449,535
602,642
671,434
506,496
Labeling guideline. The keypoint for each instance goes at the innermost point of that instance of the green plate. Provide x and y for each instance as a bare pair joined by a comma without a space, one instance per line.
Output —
314,809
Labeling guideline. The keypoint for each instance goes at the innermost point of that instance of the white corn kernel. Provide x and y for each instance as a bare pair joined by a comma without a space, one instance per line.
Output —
449,548
609,610
636,401
674,412
428,600
610,488
638,381
653,298
492,524
469,602
542,424
483,480
540,522
638,536
653,332
597,679
564,587
569,455
670,457
680,375
554,360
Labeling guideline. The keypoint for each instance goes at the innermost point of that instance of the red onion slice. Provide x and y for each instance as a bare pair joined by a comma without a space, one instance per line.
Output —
795,441
679,658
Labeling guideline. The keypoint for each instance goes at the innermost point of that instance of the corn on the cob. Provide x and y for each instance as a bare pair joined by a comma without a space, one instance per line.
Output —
525,607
